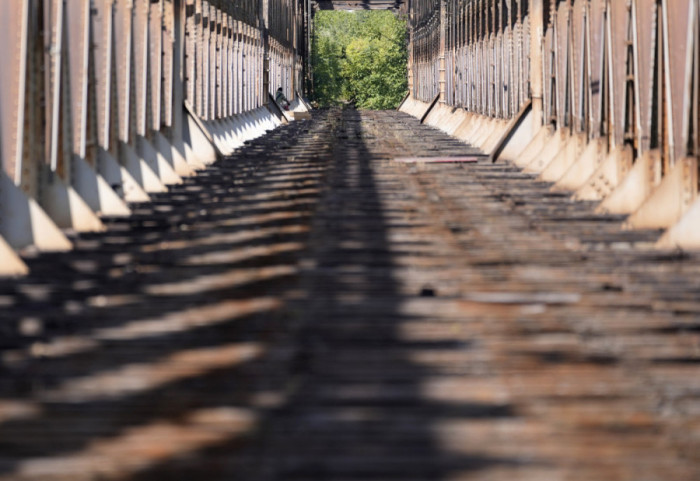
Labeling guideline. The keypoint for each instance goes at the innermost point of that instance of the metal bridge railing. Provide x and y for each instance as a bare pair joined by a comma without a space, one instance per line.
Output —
105,102
600,97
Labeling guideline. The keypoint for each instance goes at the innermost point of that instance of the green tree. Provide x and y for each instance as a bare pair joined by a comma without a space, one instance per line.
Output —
359,57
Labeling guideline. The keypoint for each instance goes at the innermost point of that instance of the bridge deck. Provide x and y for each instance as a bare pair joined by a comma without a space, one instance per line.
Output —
310,309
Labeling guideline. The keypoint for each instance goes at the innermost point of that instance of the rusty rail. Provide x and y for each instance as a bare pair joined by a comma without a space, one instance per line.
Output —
609,88
106,102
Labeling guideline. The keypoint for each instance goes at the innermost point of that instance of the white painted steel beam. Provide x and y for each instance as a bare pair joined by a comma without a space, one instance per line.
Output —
23,223
10,263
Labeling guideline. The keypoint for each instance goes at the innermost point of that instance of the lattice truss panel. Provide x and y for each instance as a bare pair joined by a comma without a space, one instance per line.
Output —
105,102
599,97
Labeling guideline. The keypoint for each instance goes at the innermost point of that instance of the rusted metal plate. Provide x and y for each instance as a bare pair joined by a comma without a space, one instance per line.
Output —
205,64
214,60
226,85
549,75
619,18
101,38
244,72
53,46
77,25
141,52
33,153
124,63
237,68
170,73
157,45
563,59
645,14
190,65
219,55
595,34
678,40
200,70
524,55
578,27
248,71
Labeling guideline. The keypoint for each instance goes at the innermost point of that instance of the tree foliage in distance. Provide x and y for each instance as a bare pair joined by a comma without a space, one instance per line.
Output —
359,57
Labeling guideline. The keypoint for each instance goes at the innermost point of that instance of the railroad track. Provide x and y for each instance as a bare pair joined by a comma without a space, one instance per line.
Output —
311,309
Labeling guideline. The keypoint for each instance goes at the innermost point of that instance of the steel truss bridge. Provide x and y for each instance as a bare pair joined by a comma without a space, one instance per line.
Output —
497,281
106,101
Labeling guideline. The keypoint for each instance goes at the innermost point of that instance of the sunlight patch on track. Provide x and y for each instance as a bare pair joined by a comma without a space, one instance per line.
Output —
143,377
231,279
141,447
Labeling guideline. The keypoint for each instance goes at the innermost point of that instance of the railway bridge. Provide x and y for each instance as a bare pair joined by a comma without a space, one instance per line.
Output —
497,281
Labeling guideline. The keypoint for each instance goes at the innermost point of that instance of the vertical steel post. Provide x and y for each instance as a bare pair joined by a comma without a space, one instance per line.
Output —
536,43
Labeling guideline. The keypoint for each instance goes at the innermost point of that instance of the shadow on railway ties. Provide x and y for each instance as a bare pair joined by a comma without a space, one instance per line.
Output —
246,325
